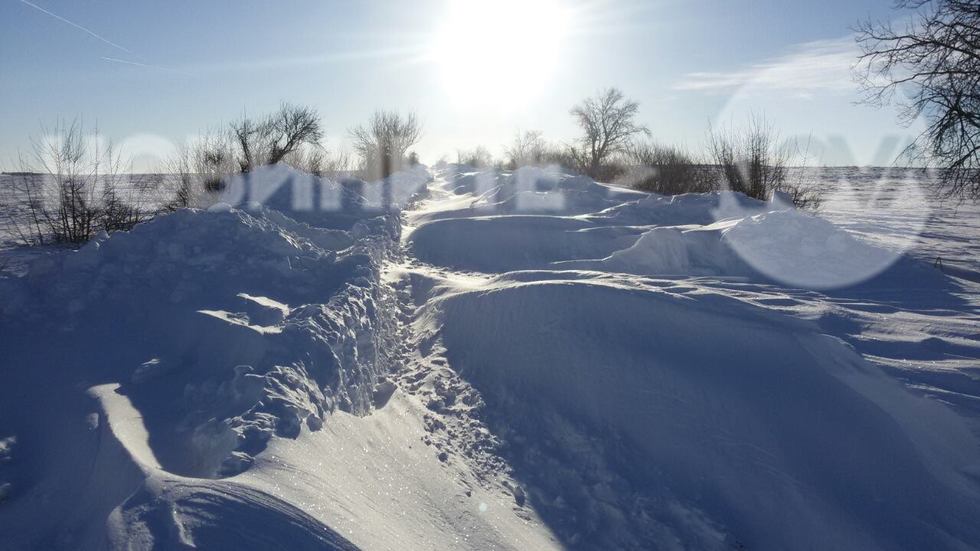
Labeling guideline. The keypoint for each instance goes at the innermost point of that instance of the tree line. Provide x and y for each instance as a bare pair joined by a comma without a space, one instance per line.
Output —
73,185
614,147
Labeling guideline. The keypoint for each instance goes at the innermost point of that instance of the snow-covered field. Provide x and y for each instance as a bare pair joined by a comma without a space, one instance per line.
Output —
523,360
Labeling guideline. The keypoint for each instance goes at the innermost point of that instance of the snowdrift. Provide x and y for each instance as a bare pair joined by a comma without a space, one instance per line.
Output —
515,360
720,234
227,327
785,246
653,413
223,328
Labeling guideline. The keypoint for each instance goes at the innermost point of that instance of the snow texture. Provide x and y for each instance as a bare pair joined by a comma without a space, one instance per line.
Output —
476,359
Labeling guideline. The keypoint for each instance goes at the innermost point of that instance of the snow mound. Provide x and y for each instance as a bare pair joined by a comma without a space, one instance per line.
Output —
805,251
502,243
678,210
188,514
637,415
786,246
224,328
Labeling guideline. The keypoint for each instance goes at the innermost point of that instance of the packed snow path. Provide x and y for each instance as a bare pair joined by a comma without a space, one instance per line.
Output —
521,360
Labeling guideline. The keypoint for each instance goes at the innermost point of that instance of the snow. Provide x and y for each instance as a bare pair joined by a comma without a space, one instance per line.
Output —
785,245
740,416
475,359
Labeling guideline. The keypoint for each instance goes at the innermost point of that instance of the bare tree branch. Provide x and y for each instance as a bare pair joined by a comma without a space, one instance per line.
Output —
608,124
934,61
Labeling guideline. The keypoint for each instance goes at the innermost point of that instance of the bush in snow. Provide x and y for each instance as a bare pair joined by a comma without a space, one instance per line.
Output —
200,167
290,135
527,149
478,157
665,169
71,188
753,162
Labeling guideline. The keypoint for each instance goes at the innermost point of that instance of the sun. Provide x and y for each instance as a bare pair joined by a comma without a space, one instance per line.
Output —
499,53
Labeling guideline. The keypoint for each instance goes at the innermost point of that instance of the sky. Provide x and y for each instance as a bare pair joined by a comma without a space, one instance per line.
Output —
149,75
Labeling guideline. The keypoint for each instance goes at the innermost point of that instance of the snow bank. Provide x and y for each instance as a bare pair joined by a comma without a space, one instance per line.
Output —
223,328
639,415
678,210
502,243
785,246
715,234
203,335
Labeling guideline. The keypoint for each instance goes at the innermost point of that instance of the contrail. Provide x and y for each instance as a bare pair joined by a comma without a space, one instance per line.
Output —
76,25
140,64
127,62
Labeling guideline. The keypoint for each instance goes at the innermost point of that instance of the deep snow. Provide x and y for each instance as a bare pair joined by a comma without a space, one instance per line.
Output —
521,360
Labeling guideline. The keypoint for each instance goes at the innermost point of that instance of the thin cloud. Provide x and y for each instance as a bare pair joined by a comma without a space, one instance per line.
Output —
820,65
77,26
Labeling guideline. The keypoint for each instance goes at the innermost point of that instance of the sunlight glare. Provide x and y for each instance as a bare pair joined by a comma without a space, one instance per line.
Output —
499,54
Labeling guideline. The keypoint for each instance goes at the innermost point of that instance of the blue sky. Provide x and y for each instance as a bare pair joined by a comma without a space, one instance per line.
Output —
152,73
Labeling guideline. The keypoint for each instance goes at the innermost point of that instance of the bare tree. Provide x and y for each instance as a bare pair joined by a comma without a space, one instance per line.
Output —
289,128
528,148
270,140
934,58
608,123
291,135
478,157
249,136
383,142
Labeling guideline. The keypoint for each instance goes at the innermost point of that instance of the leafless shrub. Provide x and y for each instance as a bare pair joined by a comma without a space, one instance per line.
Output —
564,156
754,162
528,149
383,142
666,170
478,157
128,203
318,161
935,60
182,180
199,168
608,123
71,188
